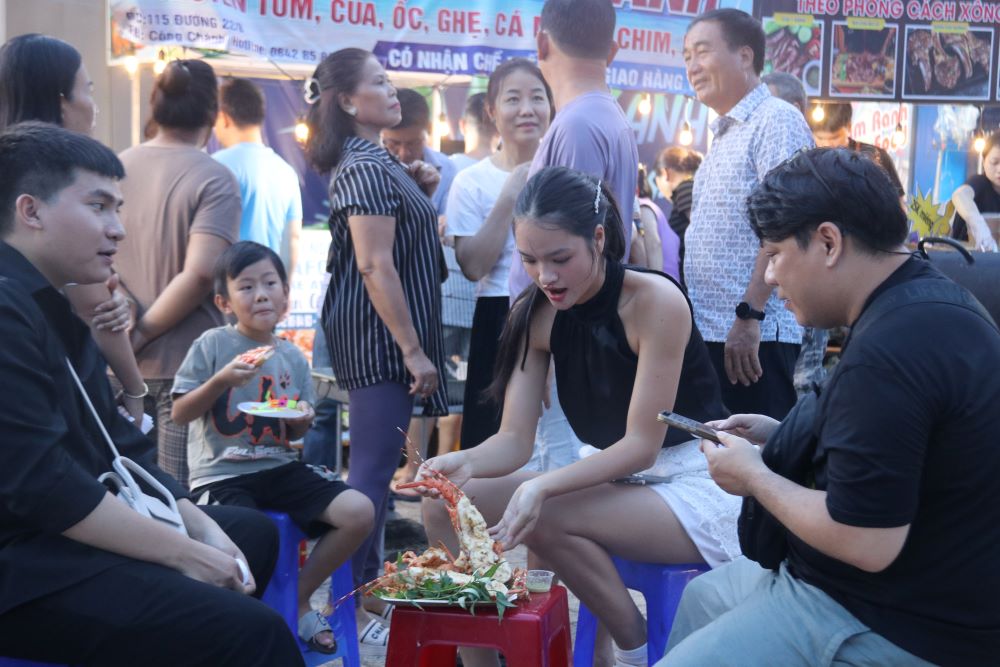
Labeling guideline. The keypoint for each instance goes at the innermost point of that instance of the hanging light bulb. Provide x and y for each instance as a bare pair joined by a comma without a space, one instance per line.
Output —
686,136
301,131
443,127
979,143
160,64
898,136
131,65
818,113
645,104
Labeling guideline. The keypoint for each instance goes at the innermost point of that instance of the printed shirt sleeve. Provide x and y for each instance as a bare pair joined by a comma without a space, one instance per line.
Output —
196,369
783,133
41,485
219,207
364,188
464,214
875,447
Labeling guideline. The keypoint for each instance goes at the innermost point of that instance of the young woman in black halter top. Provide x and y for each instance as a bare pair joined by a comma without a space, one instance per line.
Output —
624,348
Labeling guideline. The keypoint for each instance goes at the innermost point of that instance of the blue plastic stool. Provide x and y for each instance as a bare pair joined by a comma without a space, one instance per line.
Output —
661,585
282,596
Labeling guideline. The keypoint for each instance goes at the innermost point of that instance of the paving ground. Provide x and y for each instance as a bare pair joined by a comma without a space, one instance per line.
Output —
517,557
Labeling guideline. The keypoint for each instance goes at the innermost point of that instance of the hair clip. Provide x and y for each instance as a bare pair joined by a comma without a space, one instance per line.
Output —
311,90
597,198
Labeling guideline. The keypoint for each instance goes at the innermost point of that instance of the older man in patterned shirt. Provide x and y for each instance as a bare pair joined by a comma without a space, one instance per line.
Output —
753,340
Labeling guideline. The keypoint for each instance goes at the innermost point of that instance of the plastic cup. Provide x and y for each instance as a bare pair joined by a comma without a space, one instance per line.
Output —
540,581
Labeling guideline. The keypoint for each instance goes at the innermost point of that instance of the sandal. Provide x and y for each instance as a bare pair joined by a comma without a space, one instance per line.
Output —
311,624
374,639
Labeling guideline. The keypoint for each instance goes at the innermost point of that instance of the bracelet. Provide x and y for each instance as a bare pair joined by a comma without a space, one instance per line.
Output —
144,394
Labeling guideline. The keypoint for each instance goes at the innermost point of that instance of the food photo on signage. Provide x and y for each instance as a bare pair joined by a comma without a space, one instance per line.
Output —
954,62
863,61
795,48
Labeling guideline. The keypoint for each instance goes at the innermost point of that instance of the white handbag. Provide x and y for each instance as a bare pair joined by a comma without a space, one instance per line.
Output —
124,486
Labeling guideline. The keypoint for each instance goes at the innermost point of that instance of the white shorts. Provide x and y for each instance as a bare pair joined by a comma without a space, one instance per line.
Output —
707,513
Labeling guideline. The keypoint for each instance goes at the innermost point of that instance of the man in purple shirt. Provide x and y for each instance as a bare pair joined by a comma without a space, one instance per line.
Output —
590,131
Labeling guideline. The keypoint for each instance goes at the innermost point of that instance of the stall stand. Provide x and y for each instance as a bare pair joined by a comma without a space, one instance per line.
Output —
929,64
444,48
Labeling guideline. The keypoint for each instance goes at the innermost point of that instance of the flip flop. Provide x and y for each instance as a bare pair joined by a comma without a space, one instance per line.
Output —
311,624
373,639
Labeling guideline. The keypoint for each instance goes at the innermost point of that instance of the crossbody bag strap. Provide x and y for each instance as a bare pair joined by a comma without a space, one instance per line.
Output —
163,509
93,410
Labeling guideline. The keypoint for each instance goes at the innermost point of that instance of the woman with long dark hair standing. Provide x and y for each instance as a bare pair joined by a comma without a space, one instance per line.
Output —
625,348
382,314
43,78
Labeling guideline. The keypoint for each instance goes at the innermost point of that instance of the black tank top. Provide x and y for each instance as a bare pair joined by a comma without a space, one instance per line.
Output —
595,368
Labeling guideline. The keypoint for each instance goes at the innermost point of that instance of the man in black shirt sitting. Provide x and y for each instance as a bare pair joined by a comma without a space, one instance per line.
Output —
84,579
890,525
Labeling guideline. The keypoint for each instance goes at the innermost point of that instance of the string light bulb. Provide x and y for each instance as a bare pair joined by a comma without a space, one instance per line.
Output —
443,127
818,113
301,131
160,64
686,136
898,136
131,65
645,104
979,143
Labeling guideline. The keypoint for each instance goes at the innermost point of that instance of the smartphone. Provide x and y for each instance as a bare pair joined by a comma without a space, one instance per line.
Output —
689,425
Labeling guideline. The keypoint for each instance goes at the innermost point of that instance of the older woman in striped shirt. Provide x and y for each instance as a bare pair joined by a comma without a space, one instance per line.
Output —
382,314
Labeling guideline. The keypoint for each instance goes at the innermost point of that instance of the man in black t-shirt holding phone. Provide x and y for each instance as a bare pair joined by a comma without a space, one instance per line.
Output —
891,526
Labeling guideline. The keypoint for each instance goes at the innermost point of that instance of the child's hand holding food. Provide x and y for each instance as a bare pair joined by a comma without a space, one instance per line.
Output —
237,373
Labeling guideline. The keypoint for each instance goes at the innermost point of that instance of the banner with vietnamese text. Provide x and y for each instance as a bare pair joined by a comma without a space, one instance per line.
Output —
437,37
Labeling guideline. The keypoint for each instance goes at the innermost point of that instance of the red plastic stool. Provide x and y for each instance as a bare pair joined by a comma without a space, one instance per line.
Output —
536,633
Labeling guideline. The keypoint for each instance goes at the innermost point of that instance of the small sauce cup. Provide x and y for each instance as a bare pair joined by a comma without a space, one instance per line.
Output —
540,581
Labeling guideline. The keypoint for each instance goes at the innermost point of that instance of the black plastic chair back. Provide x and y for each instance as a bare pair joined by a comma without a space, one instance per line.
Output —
978,272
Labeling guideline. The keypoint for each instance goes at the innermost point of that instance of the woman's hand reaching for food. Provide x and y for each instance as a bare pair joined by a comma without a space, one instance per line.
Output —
755,428
521,515
454,466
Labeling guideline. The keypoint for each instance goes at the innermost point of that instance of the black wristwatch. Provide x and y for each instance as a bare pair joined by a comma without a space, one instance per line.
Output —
745,311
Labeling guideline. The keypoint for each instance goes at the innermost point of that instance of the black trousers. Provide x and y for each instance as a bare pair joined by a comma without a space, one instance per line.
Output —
139,613
774,394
